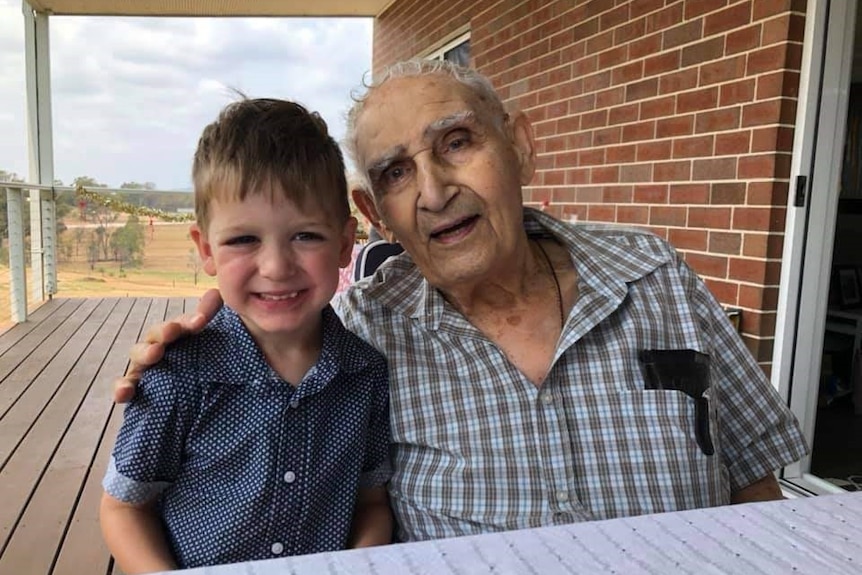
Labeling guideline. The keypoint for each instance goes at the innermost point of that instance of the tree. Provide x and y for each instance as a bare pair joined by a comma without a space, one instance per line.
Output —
195,263
127,242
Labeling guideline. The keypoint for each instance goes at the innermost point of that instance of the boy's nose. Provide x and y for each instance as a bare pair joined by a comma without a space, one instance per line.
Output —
276,262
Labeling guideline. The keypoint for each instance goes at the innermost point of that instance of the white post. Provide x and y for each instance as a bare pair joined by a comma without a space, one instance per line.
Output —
43,229
18,283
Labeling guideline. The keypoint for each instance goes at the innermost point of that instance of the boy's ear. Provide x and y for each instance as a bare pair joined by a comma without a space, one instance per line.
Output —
204,249
365,202
348,239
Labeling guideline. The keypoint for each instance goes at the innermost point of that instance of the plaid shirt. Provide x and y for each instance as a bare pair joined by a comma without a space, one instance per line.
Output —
478,447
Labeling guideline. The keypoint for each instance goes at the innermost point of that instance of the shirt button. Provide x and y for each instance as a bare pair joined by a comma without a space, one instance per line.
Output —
562,496
277,548
294,403
547,398
289,477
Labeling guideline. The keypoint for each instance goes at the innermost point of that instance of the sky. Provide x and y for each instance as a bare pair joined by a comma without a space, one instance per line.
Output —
130,96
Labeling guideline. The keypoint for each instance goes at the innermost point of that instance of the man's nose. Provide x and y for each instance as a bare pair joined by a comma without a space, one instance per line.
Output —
433,183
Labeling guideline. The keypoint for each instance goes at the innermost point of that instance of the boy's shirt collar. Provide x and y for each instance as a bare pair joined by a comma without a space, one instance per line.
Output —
234,358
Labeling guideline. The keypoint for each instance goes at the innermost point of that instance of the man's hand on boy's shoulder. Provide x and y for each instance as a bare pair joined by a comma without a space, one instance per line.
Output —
148,352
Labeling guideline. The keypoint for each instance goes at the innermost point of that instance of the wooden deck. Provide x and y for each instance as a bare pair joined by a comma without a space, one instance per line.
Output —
57,428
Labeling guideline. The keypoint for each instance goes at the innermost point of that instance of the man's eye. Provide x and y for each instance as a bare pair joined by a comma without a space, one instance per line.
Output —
392,176
456,141
240,240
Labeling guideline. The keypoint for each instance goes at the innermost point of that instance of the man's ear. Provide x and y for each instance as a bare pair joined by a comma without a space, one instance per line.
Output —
348,239
365,202
204,249
525,146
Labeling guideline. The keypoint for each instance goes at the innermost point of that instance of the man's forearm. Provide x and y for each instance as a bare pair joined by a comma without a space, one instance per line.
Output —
765,489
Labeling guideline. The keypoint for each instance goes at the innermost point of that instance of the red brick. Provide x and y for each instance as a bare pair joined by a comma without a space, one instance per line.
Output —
654,150
714,169
643,89
598,81
722,71
776,30
767,193
761,113
766,60
629,73
759,219
732,143
633,214
696,147
664,19
735,16
687,239
763,245
617,194
601,213
605,175
764,272
758,297
695,8
676,82
658,107
591,157
667,216
589,194
696,101
600,42
743,40
708,217
772,85
639,131
676,126
651,194
597,119
689,193
621,154
624,114
607,136
724,292
672,171
719,120
725,243
577,176
643,7
685,33
636,173
646,46
661,63
553,178
758,166
705,51
707,265
727,193
630,31
613,57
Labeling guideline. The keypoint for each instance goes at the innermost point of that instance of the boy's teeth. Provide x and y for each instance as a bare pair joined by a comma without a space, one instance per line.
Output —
279,297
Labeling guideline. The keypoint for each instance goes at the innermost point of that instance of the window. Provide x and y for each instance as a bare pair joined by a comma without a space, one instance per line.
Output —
456,51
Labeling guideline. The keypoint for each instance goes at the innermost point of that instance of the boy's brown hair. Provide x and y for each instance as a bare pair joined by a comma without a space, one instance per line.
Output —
269,146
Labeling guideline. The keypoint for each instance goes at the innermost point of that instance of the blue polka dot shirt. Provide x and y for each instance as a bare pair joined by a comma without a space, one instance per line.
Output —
244,466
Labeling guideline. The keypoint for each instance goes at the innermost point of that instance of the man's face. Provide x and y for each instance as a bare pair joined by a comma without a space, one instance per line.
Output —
446,175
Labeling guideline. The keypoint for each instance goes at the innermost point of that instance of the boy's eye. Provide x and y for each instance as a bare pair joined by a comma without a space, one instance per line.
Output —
308,237
240,240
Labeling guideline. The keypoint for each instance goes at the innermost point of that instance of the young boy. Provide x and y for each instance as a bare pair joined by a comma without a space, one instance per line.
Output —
267,434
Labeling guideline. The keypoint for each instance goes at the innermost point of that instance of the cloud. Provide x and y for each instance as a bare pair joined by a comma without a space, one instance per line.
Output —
131,95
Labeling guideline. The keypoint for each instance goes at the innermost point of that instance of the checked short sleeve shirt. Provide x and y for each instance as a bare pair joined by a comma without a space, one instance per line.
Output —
246,466
478,447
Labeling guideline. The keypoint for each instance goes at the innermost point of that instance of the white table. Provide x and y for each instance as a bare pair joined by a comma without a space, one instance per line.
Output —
812,536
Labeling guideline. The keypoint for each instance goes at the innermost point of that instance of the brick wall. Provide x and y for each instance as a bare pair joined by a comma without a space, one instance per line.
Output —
672,115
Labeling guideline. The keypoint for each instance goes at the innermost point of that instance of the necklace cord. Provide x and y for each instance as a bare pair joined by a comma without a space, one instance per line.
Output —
556,283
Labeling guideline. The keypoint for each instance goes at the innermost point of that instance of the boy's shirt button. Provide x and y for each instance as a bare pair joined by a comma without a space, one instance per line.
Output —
289,477
277,548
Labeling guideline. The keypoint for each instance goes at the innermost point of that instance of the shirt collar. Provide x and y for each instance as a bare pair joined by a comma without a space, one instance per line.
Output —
233,357
606,256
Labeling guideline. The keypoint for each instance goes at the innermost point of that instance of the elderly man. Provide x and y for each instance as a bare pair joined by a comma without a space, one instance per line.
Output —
541,373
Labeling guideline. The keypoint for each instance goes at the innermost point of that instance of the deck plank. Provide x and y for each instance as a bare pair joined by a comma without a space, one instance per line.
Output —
51,483
83,543
14,334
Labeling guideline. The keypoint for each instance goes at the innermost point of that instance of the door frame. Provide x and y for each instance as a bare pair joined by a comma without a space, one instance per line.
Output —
810,228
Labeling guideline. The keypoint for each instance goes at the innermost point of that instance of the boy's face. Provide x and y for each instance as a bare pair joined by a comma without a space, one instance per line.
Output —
277,266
